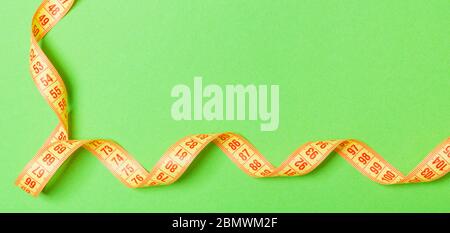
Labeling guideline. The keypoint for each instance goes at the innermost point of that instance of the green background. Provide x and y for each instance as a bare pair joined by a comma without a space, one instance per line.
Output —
377,71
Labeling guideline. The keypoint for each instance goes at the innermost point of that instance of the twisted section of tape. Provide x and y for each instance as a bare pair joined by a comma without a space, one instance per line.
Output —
180,155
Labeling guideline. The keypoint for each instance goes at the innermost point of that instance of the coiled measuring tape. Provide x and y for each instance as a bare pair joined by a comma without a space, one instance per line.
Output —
180,155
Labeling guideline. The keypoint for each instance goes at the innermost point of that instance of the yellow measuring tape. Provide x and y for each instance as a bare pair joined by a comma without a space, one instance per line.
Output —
180,155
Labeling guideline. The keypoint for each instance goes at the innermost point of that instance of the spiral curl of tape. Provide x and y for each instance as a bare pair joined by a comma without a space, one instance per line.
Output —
58,147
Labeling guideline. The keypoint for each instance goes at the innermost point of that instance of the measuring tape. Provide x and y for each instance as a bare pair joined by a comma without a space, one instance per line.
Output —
58,147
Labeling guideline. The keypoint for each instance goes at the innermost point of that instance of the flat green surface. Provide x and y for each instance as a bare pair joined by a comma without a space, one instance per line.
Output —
377,71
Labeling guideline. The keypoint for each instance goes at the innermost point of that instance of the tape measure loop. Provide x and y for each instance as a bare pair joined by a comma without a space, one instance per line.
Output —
172,165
